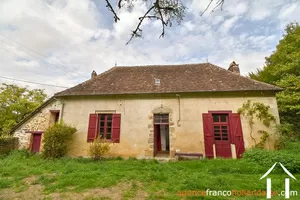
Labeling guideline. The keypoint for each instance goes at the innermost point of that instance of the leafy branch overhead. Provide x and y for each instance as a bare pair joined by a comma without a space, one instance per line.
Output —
165,11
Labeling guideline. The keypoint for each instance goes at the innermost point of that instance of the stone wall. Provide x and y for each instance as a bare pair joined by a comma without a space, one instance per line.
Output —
39,122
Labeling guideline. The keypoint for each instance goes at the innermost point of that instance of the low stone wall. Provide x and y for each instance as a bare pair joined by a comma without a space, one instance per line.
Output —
8,144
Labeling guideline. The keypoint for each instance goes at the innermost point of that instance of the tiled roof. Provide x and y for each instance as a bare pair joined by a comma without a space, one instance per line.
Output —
203,77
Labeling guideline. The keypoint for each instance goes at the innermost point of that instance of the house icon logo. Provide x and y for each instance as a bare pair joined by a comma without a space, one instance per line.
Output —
287,181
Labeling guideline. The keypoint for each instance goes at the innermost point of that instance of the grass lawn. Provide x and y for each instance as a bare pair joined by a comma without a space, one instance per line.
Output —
31,177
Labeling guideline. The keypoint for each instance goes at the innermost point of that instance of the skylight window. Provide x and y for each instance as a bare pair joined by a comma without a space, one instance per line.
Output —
156,81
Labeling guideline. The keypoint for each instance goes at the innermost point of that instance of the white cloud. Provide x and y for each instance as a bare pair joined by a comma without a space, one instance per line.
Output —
289,13
228,24
73,38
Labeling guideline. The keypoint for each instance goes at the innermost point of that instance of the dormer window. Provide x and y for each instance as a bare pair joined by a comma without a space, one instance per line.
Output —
156,81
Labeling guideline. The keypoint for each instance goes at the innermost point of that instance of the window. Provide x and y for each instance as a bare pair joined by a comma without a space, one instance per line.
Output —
105,126
161,119
220,127
220,117
157,81
54,118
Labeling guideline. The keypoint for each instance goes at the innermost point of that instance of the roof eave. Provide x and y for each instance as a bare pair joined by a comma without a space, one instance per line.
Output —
171,92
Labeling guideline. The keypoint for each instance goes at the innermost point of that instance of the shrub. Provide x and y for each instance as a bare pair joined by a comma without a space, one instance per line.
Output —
99,148
57,139
267,158
7,144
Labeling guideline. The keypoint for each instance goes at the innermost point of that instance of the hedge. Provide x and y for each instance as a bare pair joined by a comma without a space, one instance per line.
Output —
8,144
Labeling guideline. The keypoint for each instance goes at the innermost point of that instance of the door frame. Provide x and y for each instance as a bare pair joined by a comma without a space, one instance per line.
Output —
33,134
157,135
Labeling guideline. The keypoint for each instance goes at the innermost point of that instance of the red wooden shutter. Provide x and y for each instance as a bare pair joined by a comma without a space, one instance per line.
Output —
208,135
93,127
116,124
237,134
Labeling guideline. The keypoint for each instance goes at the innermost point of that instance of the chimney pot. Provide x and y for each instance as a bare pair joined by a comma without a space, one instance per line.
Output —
94,74
233,67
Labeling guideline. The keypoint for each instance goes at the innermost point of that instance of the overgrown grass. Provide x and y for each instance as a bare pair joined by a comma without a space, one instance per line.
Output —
158,180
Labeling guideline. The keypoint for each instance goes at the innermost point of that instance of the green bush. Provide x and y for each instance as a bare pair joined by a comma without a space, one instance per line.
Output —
7,144
290,159
99,148
57,139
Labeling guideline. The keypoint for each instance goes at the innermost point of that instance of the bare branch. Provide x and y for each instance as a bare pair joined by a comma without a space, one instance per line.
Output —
109,6
163,23
207,7
120,4
167,11
137,29
219,3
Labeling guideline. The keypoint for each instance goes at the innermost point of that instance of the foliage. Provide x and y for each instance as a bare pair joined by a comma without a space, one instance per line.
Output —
57,139
16,103
99,148
261,112
7,144
289,157
283,69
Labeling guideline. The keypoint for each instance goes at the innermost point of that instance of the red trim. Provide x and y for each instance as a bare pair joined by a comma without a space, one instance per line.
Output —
35,132
220,112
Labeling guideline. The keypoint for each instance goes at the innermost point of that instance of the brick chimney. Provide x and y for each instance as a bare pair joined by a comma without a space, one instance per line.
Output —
233,67
94,74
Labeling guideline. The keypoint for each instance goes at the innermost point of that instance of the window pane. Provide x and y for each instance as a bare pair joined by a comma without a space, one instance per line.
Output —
101,136
109,124
108,136
102,117
217,138
101,124
216,128
102,132
109,117
164,118
216,118
223,118
108,131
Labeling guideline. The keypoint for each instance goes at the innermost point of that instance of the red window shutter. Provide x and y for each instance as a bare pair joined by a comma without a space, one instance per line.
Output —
237,134
116,124
93,127
208,135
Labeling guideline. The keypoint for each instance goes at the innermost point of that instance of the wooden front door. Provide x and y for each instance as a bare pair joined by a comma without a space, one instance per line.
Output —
221,135
36,142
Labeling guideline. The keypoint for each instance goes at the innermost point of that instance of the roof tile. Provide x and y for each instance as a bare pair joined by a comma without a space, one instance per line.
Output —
203,77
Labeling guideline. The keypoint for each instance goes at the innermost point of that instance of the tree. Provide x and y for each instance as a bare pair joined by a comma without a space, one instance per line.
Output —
283,69
166,11
16,103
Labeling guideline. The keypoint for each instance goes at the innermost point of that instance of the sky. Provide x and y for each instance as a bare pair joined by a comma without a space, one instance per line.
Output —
60,42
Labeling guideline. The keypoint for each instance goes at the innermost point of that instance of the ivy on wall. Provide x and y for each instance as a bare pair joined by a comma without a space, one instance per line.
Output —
261,112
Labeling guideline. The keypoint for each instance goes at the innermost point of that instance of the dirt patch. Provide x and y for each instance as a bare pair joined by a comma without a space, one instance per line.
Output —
30,191
35,191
